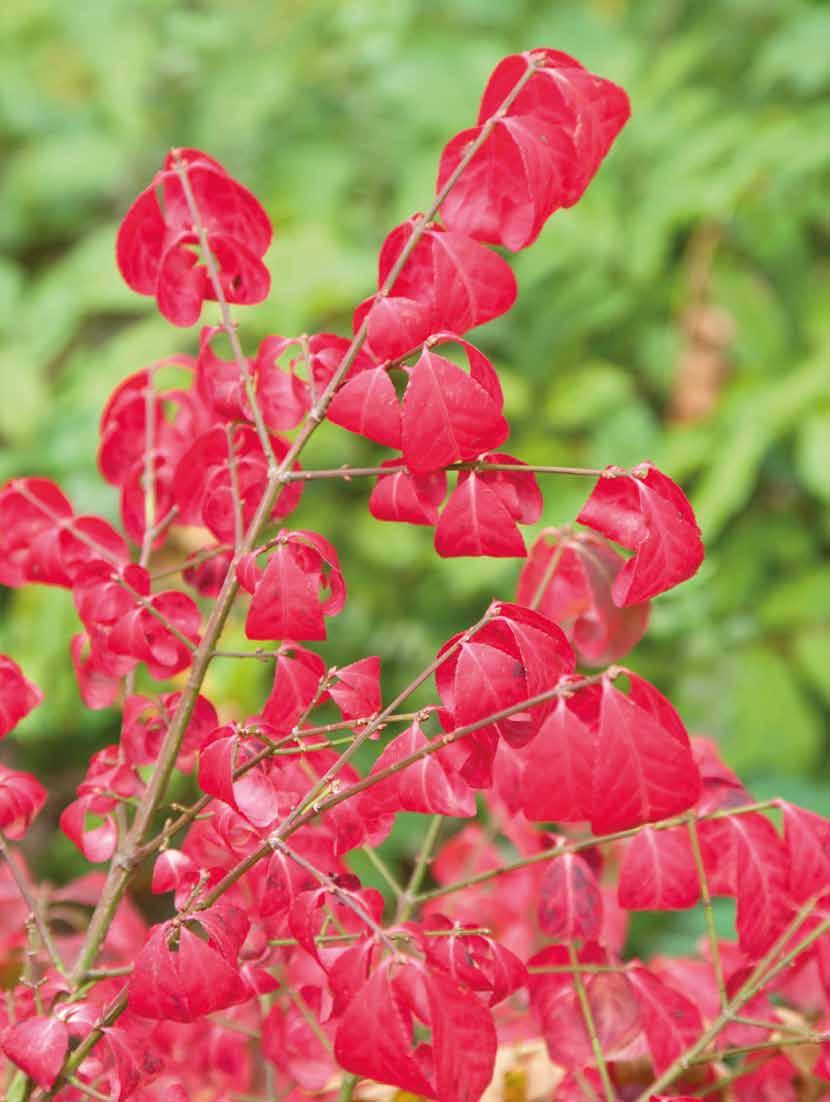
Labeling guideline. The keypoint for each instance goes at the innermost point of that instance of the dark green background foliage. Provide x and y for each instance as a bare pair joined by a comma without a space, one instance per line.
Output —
677,314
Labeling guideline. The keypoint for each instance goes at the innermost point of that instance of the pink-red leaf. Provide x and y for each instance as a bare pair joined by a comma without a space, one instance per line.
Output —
658,872
671,1021
648,513
403,496
570,900
38,1046
18,696
569,579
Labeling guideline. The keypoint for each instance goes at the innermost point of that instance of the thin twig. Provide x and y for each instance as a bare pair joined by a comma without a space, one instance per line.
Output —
34,910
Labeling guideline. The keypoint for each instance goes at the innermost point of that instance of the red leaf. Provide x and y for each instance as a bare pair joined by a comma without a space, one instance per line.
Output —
672,1023
807,838
556,1006
658,872
204,481
253,794
648,513
589,110
476,522
38,1046
368,405
374,1038
430,786
28,507
178,977
517,489
155,245
402,496
297,675
356,690
287,602
21,798
283,397
570,900
18,696
139,634
294,1045
516,655
558,769
762,881
450,282
448,415
473,960
573,576
644,768
463,1041
518,178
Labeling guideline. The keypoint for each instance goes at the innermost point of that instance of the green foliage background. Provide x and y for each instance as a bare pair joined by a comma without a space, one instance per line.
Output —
335,112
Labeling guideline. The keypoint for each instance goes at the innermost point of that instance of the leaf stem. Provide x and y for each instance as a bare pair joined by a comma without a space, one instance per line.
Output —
590,1024
706,900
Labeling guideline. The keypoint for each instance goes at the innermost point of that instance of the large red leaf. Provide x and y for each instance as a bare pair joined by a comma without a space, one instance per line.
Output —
644,769
658,872
518,178
448,415
179,977
648,513
558,769
289,597
590,110
671,1021
450,282
476,522
431,785
374,1037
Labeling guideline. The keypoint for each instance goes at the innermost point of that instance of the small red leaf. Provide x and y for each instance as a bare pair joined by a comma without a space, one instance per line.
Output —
18,696
649,514
570,905
403,496
476,522
38,1046
644,769
569,579
368,405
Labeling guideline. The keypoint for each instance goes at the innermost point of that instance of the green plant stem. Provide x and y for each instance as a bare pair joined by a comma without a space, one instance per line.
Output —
408,897
346,472
706,900
35,911
347,1086
590,1025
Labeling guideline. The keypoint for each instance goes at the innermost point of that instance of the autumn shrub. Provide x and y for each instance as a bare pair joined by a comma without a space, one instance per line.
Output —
278,974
